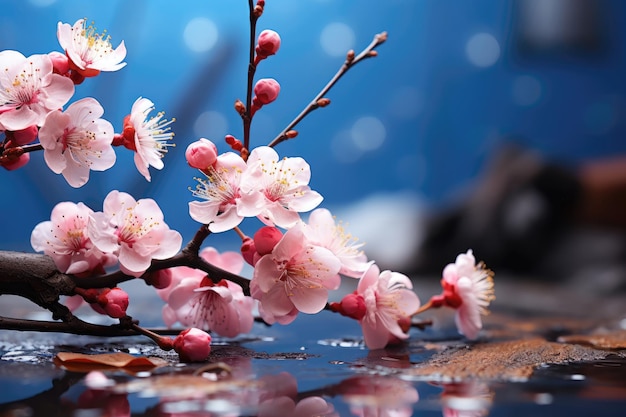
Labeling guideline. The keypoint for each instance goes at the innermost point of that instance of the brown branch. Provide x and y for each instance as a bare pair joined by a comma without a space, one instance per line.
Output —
319,101
247,115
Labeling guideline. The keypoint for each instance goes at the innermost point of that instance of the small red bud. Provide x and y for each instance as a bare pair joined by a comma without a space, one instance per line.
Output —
266,238
266,90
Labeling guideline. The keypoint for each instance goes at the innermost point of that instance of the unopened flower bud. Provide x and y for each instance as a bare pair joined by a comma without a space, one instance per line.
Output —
159,279
201,154
24,136
15,163
60,62
266,238
266,90
193,345
114,302
268,43
248,250
353,305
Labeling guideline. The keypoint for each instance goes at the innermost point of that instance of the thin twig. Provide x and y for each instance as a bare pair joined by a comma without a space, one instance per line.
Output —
247,116
350,61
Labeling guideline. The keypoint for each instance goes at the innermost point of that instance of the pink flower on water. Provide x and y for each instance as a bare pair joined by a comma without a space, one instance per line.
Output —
224,205
147,136
193,345
77,140
295,276
134,230
65,239
322,230
89,52
383,303
468,288
283,184
29,90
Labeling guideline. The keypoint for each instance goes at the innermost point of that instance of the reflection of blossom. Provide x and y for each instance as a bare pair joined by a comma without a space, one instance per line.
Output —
379,396
466,399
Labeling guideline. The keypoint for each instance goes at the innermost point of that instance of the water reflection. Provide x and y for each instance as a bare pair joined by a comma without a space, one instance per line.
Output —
232,388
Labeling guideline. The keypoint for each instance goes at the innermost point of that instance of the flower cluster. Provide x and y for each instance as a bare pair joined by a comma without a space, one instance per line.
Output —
75,141
130,232
299,253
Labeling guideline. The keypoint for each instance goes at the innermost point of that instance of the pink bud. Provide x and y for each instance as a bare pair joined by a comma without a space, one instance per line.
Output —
16,163
266,238
24,136
114,302
266,90
353,305
60,62
201,154
193,345
268,43
159,279
248,250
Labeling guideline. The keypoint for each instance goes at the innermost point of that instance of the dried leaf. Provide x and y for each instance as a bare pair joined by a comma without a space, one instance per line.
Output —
79,362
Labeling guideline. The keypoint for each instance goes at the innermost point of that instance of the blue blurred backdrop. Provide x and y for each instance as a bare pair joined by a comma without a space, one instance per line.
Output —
454,79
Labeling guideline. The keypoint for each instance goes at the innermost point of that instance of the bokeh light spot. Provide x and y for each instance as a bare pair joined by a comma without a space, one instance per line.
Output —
211,125
482,50
200,34
368,133
337,39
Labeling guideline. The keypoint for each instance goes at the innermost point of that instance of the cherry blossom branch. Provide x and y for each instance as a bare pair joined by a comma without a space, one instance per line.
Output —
255,13
320,100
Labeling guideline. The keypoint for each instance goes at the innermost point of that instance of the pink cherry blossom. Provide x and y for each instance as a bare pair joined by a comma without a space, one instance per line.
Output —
193,345
194,300
389,300
77,141
29,90
147,136
283,184
134,230
65,239
296,275
89,52
322,230
468,287
221,308
225,204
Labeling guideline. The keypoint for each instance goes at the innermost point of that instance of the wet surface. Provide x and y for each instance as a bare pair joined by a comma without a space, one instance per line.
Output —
558,358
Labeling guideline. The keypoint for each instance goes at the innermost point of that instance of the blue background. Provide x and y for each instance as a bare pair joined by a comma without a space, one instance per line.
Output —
455,79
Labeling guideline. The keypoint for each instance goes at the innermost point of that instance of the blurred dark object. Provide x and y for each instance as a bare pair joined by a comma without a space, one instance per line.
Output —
556,27
532,217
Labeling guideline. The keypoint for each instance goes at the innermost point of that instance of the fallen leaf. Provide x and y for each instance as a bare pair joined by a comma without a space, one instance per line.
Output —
79,362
